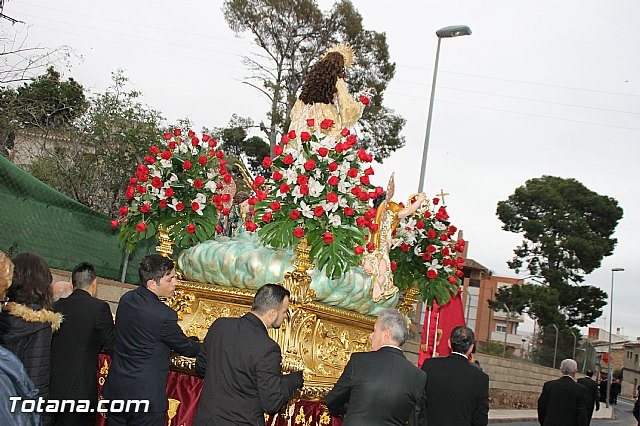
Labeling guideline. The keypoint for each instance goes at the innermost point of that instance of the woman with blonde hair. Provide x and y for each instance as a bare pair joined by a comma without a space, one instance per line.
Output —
14,380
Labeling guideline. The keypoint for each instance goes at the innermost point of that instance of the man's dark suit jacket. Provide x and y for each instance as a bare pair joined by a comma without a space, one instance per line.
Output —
377,388
87,326
457,392
563,402
242,377
146,332
593,395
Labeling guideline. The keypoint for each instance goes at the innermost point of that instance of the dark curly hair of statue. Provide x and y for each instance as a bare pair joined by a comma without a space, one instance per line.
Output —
320,84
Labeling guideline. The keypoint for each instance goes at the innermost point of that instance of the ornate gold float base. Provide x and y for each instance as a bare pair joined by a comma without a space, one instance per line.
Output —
315,337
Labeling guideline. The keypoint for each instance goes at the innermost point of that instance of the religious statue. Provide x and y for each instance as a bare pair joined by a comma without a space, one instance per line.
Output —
325,95
376,263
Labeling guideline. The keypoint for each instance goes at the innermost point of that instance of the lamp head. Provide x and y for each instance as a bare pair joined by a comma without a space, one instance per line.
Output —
617,269
453,31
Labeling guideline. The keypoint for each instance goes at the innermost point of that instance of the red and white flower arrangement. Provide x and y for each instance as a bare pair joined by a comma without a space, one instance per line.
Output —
425,255
180,187
319,190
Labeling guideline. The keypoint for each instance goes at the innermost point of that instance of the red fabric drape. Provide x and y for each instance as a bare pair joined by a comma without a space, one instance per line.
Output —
186,389
438,323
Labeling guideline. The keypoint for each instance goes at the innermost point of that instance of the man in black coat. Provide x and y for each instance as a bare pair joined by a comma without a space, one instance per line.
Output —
380,387
457,390
593,394
563,402
87,326
146,332
241,365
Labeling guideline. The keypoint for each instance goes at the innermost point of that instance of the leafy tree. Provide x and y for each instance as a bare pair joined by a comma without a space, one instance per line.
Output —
292,34
567,232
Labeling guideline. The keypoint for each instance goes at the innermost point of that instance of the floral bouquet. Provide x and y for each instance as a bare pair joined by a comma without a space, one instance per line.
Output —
319,190
181,187
423,254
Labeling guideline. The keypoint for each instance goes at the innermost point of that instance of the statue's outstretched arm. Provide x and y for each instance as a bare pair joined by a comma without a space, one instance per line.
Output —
413,207
350,108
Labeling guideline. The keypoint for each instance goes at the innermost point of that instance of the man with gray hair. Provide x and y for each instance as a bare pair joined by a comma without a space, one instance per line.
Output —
563,401
380,387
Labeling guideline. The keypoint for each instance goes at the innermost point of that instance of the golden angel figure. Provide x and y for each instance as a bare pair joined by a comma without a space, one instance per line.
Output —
377,263
325,95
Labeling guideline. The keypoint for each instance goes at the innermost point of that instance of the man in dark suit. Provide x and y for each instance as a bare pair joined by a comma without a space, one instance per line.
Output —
380,387
593,394
563,402
87,326
241,365
146,332
457,390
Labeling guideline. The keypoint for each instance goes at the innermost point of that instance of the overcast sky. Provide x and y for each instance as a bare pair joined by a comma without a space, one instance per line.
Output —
539,88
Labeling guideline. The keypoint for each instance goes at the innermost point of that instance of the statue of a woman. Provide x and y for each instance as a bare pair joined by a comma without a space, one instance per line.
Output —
377,263
325,95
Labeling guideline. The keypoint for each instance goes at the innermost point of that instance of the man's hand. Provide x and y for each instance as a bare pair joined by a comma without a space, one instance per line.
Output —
297,379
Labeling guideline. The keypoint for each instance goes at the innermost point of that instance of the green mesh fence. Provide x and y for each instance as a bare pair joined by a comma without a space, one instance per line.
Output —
36,218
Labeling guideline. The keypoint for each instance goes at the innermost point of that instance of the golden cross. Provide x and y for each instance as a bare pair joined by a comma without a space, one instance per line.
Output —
441,195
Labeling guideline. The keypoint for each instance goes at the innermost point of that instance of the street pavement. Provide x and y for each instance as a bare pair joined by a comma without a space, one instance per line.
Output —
622,414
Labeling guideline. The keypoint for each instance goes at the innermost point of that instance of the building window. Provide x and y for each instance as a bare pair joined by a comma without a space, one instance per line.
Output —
474,283
501,327
636,358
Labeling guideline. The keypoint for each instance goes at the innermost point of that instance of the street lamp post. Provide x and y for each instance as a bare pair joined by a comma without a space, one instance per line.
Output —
506,330
574,345
555,348
609,371
446,32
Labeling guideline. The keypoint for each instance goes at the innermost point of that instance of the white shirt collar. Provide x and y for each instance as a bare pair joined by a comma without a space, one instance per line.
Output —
390,346
461,354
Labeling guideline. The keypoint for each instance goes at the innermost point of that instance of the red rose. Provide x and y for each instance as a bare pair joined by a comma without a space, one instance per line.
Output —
133,181
261,195
145,208
352,173
195,141
266,162
156,182
356,190
426,256
333,181
291,134
436,201
452,230
364,180
326,123
360,221
318,211
444,237
431,248
250,226
168,192
141,189
327,237
310,165
362,155
179,207
364,196
379,190
195,206
227,178
177,132
358,250
420,224
431,234
162,204
404,247
348,211
304,189
323,152
432,274
212,142
351,140
275,206
305,136
217,199
364,100
186,165
167,136
333,166
259,180
302,179
191,228
374,227
114,223
298,232
285,139
173,145
332,197
294,214
197,183
393,266
267,217
276,176
369,171
165,155
219,229
459,273
205,138
223,171
202,160
311,122
141,227
226,198
191,133
288,159
219,154
345,131
373,195
154,150
340,147
284,188
371,246
124,210
277,150
446,251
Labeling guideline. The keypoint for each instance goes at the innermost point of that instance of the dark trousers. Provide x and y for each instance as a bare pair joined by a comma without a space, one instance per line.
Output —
74,419
136,419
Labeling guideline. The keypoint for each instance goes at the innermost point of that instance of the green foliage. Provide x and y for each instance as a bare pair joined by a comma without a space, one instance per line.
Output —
567,232
293,34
